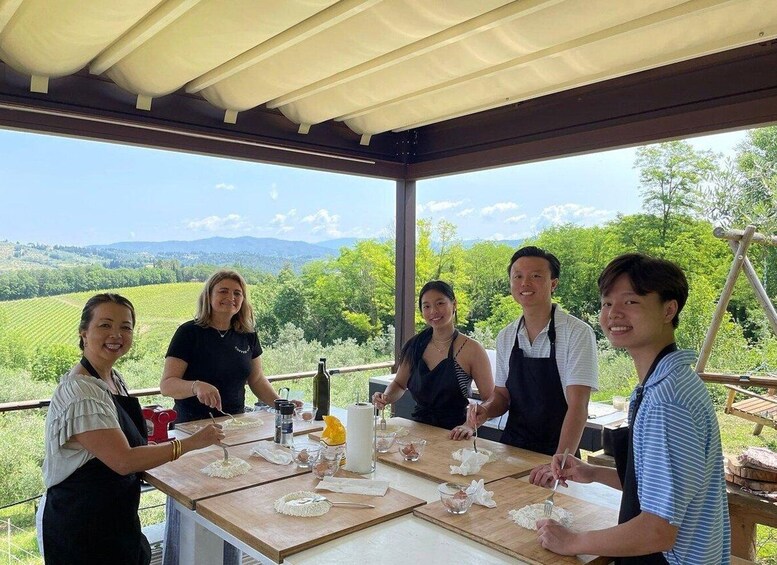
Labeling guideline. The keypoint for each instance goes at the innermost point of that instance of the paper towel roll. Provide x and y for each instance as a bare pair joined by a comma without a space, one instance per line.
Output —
359,438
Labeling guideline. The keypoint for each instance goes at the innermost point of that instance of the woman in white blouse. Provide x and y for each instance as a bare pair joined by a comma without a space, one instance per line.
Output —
96,447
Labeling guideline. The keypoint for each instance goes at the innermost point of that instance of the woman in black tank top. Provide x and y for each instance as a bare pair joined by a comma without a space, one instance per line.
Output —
439,364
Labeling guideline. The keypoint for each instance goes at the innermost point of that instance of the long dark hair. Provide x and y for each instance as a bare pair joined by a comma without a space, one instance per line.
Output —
414,347
88,312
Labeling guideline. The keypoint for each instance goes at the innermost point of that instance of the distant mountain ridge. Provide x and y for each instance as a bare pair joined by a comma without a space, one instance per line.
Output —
265,246
264,253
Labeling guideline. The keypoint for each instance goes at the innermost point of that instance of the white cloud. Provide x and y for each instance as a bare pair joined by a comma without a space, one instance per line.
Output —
132,235
279,221
324,222
439,206
274,192
225,186
575,213
466,212
498,207
515,219
230,222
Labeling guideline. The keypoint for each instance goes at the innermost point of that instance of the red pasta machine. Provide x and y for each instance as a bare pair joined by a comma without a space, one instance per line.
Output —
157,422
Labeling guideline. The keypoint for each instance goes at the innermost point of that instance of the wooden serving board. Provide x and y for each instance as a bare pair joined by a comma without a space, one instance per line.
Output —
494,528
252,432
436,461
183,480
750,472
249,515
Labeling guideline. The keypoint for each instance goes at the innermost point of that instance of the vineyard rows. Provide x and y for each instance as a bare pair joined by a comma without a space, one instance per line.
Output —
54,319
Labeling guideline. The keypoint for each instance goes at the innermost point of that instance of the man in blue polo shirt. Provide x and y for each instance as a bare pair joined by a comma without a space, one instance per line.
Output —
670,462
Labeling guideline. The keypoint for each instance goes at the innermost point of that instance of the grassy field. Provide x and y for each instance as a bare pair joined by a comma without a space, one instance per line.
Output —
160,309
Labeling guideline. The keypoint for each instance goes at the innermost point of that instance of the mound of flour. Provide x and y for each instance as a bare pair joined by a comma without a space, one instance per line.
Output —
226,469
291,506
527,516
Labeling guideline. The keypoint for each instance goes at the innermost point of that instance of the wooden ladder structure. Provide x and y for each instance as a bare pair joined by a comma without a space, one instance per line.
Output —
758,408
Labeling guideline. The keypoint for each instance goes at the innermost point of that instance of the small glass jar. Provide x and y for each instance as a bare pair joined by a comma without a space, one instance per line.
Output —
327,462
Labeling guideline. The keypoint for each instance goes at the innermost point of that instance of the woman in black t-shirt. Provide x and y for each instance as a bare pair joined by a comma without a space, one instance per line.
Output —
211,358
208,364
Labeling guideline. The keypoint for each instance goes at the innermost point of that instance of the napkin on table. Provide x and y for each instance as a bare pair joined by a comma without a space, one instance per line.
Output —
471,463
272,453
480,495
354,486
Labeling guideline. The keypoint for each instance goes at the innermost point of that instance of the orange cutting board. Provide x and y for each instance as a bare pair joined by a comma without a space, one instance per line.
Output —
436,461
253,432
183,480
494,528
249,515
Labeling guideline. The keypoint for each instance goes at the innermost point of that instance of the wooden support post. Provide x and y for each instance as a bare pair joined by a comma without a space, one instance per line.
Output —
743,532
404,297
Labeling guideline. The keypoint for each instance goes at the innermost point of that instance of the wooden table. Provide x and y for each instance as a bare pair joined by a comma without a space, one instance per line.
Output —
249,515
259,426
489,526
183,480
436,461
211,522
745,512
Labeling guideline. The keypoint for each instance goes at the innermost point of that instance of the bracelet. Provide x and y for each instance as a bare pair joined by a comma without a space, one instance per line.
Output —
177,449
193,385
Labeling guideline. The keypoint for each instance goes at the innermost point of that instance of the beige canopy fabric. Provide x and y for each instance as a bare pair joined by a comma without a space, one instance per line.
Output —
378,66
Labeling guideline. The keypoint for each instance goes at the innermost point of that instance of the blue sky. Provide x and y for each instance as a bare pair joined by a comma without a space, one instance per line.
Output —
58,190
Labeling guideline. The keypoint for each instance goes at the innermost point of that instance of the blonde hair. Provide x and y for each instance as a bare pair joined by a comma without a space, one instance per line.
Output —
243,320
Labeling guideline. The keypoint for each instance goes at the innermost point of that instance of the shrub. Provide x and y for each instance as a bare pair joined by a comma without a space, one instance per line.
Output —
52,361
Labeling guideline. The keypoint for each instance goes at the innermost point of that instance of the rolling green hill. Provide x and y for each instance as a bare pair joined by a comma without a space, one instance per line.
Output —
54,319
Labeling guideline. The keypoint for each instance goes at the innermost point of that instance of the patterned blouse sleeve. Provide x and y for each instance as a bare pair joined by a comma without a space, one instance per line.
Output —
80,406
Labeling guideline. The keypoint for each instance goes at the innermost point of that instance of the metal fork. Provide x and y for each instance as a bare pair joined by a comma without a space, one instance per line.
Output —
383,419
226,453
547,508
225,414
475,439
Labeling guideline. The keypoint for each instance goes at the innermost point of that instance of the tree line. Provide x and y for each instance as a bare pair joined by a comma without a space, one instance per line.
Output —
32,283
685,192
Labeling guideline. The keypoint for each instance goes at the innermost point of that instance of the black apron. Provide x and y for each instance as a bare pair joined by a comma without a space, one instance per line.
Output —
439,400
92,516
537,403
623,452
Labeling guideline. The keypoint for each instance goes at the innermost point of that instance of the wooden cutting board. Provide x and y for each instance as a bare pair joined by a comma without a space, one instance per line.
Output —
750,472
436,461
183,480
250,517
494,528
253,432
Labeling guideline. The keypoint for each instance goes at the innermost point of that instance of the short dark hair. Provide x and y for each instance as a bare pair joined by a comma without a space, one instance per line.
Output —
88,312
531,251
648,274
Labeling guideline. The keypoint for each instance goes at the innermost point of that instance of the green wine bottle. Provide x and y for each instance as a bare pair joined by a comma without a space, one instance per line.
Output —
321,390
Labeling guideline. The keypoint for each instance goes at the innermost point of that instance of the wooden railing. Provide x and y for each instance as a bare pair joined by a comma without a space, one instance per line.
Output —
43,402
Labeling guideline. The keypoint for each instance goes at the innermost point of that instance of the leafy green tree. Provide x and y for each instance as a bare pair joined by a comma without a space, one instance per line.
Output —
485,269
671,175
583,252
